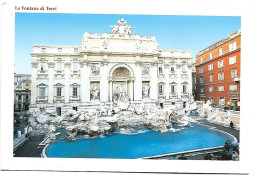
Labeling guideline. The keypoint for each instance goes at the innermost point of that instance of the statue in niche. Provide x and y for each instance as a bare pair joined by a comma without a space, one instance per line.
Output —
94,69
146,91
145,70
94,93
120,94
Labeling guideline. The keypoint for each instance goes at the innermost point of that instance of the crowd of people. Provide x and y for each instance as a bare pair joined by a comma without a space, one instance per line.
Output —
230,152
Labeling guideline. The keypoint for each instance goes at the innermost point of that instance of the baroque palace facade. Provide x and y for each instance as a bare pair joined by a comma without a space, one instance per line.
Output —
78,77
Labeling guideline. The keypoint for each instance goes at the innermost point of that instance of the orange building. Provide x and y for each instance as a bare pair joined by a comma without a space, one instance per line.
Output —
218,72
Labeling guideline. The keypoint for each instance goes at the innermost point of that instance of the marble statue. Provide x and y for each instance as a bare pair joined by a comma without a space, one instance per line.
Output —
95,70
145,70
146,90
95,93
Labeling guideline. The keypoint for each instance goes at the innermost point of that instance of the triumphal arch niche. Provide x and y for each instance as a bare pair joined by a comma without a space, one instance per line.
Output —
121,81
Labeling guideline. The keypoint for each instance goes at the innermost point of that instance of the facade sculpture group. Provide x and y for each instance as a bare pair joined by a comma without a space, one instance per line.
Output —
109,67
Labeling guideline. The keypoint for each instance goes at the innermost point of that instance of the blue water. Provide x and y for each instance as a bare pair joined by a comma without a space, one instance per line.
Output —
149,143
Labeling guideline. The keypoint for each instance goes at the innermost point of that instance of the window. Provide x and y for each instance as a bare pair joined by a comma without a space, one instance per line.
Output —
76,49
233,60
43,49
42,92
201,80
221,76
221,64
59,66
233,87
233,73
26,97
58,91
201,60
184,88
160,69
172,69
172,89
160,89
59,49
220,51
19,97
211,89
210,56
232,46
202,90
75,66
221,88
222,101
210,67
75,91
183,67
211,78
42,66
201,70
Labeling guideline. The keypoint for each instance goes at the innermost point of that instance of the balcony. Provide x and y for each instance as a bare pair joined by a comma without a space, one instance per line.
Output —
75,73
74,98
161,95
42,99
160,75
184,94
173,95
173,74
42,74
58,99
59,73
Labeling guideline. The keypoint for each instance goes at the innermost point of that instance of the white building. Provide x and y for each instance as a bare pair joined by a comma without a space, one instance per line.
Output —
66,77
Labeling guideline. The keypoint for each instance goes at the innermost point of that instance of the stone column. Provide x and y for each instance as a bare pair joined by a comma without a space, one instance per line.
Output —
50,84
67,81
138,81
110,91
33,83
85,83
167,80
104,82
16,101
154,82
189,72
22,103
179,85
131,90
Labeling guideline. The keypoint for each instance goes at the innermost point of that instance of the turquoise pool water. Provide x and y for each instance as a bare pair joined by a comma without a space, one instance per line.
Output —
149,143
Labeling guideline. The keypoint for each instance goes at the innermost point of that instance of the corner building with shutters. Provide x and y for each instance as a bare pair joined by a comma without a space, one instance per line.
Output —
218,72
64,77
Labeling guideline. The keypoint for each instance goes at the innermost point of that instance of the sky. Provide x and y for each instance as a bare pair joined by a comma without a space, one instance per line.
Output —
193,33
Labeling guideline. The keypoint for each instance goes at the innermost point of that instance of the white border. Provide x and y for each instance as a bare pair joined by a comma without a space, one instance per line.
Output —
248,10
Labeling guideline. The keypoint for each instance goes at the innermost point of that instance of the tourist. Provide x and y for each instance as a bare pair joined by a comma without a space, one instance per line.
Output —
226,145
182,157
231,124
235,156
209,156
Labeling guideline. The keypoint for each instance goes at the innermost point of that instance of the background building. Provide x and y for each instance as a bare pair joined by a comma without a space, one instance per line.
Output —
78,77
218,72
22,92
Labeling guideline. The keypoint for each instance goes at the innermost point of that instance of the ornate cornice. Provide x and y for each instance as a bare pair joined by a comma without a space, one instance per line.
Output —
51,64
67,65
34,65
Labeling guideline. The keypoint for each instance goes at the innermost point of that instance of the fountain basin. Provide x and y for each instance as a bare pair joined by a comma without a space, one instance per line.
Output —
148,143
